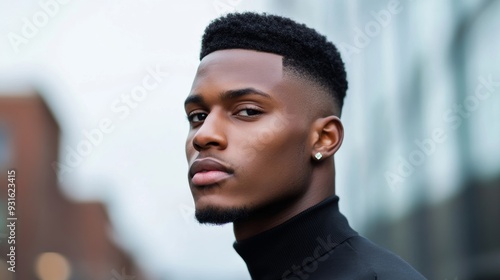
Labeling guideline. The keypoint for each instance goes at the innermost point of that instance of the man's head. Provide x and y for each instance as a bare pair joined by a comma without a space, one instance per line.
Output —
265,100
305,51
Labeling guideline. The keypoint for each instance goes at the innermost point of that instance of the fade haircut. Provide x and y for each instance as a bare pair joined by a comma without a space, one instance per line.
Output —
304,50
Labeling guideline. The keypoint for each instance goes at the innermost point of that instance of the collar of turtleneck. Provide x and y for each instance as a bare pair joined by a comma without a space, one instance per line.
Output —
302,239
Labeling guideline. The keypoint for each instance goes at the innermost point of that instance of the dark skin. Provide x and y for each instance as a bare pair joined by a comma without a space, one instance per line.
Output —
265,124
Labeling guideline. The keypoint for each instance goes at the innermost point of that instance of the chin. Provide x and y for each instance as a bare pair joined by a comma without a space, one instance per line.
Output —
220,215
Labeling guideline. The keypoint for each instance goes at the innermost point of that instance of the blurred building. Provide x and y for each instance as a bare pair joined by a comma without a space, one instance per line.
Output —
56,239
419,169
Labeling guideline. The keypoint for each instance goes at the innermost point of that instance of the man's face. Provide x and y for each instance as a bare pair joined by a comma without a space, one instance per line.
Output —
248,145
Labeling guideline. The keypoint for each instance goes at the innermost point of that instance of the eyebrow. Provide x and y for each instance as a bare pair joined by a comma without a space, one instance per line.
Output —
227,95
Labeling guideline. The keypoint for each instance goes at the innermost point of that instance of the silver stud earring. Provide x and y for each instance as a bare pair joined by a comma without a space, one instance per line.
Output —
318,155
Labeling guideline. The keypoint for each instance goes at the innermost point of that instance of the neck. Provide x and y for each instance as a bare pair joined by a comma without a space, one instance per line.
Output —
322,185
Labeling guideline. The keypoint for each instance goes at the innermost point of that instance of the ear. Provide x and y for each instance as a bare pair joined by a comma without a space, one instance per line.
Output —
328,134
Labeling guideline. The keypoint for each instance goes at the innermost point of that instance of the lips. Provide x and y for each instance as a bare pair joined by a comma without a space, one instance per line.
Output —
208,172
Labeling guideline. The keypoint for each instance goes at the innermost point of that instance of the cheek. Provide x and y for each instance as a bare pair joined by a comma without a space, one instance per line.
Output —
189,149
287,152
272,152
286,140
276,172
289,156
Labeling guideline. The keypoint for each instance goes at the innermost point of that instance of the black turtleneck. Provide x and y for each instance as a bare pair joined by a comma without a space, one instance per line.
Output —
319,244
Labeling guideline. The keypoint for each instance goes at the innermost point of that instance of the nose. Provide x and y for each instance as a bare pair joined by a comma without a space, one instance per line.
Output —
211,133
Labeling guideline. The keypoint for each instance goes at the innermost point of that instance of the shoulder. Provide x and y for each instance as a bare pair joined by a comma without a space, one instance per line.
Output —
384,264
360,259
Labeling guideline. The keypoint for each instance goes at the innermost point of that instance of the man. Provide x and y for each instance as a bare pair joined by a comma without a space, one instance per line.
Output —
264,114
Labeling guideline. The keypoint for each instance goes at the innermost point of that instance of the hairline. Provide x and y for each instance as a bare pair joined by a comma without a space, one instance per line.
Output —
318,89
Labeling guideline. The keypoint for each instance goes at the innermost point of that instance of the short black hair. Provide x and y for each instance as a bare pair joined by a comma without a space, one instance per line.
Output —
303,49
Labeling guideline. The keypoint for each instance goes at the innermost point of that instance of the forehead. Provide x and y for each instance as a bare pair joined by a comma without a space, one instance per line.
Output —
235,68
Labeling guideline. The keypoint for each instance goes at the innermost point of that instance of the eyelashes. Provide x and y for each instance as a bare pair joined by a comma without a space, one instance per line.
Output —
197,117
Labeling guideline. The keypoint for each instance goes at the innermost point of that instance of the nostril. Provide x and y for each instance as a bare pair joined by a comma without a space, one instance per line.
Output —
196,146
206,145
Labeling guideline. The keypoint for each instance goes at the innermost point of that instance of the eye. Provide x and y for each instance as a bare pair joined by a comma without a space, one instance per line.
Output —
196,117
249,112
